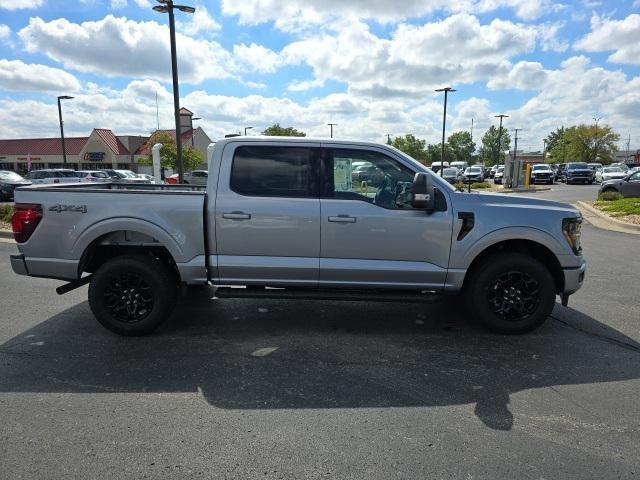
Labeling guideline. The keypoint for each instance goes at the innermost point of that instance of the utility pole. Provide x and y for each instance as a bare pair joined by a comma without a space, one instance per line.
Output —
544,151
64,152
446,91
515,156
596,146
628,146
331,125
388,139
167,6
501,116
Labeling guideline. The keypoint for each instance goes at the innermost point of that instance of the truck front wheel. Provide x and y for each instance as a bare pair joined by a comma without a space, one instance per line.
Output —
132,294
511,293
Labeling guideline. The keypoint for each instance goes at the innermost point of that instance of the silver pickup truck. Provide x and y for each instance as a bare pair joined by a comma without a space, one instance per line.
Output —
287,218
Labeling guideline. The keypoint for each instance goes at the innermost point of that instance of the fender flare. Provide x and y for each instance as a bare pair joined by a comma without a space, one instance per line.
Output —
138,225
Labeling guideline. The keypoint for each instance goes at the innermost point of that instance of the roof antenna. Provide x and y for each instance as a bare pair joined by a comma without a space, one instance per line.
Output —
157,113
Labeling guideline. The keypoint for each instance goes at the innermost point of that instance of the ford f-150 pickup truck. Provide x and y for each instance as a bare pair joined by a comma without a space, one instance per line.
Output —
287,218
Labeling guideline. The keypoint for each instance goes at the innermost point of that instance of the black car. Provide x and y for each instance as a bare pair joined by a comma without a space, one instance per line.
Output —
579,172
9,181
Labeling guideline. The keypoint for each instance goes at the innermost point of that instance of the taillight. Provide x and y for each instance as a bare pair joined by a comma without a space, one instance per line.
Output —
26,217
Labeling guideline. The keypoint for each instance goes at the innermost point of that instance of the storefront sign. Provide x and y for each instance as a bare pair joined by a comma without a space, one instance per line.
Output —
94,156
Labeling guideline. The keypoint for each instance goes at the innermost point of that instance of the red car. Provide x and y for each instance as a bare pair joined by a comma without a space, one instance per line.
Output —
172,179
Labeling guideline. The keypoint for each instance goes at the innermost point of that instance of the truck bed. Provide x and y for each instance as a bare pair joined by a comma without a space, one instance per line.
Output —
75,216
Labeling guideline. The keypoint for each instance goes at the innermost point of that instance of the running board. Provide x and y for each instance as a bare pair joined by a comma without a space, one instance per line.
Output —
349,295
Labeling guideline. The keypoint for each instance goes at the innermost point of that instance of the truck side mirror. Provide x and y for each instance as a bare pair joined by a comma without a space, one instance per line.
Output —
422,192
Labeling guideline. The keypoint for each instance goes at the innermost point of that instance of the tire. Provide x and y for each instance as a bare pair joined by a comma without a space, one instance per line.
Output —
609,190
497,289
550,182
590,182
150,301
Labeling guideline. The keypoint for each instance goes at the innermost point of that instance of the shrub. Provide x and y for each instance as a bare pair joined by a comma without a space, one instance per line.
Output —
480,185
6,212
610,196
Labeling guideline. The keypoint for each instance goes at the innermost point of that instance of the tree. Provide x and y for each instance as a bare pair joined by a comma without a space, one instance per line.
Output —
489,151
191,158
555,138
434,153
276,130
558,152
462,146
412,146
591,143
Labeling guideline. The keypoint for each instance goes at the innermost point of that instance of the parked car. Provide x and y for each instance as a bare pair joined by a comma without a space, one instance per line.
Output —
621,165
125,176
146,176
93,176
595,166
171,179
578,172
275,219
452,175
459,165
197,177
435,166
492,171
561,170
499,175
473,174
629,186
9,181
541,172
53,175
609,173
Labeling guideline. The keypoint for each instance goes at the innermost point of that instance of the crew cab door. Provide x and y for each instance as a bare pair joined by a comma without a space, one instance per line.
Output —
267,214
370,234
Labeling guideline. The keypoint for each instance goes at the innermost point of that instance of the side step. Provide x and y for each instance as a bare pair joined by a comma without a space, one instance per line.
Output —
349,295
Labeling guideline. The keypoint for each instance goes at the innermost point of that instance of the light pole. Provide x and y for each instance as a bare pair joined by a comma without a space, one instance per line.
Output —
245,130
501,116
331,125
193,131
64,152
167,6
446,91
596,119
544,151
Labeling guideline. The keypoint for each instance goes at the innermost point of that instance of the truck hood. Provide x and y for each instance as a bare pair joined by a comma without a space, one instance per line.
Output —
508,200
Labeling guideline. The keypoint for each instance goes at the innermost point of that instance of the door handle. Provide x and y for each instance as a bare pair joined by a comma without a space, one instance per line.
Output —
236,216
343,219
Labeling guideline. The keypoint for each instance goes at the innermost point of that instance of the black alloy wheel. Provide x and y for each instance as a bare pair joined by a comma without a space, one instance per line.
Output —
514,296
128,297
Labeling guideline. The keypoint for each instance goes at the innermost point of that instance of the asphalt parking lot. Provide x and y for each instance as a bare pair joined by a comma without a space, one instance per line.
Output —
348,390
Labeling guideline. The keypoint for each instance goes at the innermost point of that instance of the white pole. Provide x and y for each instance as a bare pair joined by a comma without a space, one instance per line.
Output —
155,153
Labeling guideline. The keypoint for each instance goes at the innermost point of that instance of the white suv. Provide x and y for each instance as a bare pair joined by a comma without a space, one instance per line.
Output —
53,175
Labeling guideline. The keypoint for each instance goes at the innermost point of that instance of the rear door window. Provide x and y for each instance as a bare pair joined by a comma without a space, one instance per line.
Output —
266,171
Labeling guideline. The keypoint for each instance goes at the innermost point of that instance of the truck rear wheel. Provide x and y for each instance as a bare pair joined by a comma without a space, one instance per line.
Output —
511,293
132,294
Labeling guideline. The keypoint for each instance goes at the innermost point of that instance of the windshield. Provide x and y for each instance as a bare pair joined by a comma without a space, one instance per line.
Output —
450,171
575,166
126,174
612,170
68,174
500,169
11,176
541,167
474,169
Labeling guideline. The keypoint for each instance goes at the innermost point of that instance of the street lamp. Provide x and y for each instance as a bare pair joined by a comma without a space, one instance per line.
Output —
331,125
245,130
596,119
167,6
446,91
501,116
64,152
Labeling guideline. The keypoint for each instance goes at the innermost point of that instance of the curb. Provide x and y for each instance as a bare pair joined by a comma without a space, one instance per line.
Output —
532,190
6,234
606,221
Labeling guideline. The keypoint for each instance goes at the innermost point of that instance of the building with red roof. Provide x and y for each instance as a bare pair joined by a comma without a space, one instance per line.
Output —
101,149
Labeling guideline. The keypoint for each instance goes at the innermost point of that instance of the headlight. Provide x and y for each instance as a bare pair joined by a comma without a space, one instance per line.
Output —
572,230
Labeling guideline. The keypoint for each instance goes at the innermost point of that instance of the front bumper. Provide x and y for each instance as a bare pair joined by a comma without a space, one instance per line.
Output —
574,278
18,264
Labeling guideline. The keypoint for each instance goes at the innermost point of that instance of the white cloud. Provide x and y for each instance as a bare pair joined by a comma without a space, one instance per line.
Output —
303,85
296,14
5,31
117,46
257,58
20,4
621,36
416,58
118,4
16,75
143,3
523,76
200,22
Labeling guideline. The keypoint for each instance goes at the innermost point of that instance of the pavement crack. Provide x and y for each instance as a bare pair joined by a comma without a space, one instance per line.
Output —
604,338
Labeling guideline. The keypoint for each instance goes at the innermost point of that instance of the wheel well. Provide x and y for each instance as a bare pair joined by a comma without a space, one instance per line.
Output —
528,247
124,242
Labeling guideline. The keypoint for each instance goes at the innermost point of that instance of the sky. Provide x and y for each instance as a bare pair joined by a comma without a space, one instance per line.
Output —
370,66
